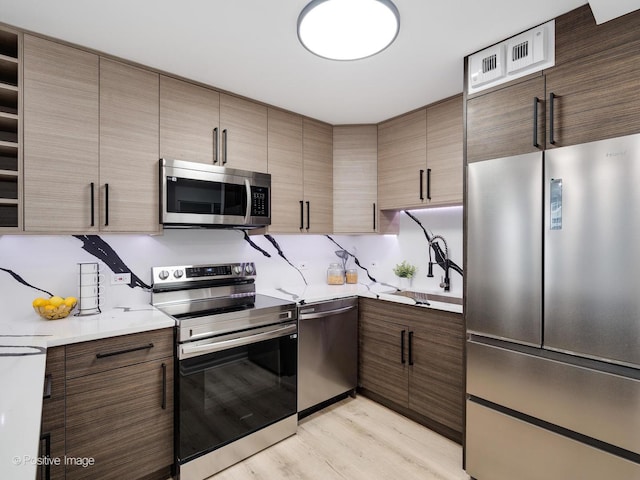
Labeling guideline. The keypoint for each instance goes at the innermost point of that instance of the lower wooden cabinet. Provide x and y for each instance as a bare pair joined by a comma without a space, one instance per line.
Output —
115,419
411,359
52,440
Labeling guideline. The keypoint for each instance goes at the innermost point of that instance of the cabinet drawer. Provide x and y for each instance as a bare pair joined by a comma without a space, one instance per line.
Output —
101,355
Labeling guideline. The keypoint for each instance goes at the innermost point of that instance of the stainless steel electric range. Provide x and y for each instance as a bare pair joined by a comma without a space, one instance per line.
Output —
236,368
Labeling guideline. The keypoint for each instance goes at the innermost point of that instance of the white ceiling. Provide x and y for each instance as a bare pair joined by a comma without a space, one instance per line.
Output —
250,47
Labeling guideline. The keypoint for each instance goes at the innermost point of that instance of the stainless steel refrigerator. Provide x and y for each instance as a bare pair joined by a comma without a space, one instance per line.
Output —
553,314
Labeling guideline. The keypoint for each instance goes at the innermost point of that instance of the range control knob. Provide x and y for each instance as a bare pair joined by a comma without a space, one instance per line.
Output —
163,275
178,273
248,269
237,269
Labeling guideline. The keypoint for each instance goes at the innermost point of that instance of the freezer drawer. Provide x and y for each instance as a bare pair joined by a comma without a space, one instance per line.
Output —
504,248
500,447
597,404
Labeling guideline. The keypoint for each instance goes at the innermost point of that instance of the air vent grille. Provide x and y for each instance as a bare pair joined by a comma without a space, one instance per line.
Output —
519,51
521,55
489,63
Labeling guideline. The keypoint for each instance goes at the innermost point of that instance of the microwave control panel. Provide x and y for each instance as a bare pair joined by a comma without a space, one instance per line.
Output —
259,202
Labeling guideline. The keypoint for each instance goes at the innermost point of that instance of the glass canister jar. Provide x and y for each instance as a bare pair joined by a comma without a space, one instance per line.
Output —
352,275
335,274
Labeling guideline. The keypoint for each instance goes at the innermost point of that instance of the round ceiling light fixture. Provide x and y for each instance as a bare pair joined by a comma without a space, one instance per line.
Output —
348,29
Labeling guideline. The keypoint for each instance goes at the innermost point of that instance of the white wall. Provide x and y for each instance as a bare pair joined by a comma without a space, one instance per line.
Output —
50,262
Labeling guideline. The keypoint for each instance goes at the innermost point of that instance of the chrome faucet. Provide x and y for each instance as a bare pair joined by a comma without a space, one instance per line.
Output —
445,282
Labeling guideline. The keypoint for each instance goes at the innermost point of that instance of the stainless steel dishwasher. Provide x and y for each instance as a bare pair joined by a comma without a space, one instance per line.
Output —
327,351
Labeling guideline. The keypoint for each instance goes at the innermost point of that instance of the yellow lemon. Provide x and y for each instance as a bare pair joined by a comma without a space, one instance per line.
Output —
56,301
70,301
38,302
49,308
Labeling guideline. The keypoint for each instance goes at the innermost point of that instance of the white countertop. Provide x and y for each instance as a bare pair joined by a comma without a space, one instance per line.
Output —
320,293
111,323
23,343
20,405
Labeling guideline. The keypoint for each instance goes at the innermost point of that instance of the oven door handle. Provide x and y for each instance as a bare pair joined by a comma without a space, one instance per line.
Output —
247,185
188,350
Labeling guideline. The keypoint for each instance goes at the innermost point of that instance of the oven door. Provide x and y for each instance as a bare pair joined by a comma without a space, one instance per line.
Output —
206,195
233,385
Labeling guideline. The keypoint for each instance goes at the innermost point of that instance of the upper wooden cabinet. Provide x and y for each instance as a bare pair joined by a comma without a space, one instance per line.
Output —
590,94
189,121
503,123
317,156
243,127
420,157
91,142
199,124
355,179
128,148
61,129
300,164
444,152
578,36
286,169
595,98
402,158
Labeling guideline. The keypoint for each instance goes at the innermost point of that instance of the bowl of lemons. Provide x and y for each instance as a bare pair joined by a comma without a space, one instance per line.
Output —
54,307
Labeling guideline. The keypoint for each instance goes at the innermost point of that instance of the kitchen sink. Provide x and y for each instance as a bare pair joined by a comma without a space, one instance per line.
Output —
422,298
419,297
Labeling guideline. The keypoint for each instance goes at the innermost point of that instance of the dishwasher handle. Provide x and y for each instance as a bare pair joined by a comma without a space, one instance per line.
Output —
328,313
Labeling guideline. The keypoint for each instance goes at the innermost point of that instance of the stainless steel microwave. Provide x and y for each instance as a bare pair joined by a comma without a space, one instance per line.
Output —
207,196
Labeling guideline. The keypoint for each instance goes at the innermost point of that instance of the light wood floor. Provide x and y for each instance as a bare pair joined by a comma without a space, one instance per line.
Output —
355,439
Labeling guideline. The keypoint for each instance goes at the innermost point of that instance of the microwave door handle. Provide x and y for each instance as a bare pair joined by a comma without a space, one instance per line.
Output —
247,186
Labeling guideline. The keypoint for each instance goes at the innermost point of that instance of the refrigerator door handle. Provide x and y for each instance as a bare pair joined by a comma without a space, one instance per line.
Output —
536,101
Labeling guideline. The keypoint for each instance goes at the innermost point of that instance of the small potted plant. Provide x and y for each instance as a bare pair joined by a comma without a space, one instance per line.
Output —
405,270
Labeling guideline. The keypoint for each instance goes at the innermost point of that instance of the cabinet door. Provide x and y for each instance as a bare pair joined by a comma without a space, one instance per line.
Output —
402,161
244,134
444,152
61,101
355,178
382,362
595,98
501,123
129,120
578,36
436,387
123,419
52,442
189,121
318,176
285,167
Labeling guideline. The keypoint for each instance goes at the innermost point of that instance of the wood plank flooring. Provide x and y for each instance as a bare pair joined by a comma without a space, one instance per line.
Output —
355,439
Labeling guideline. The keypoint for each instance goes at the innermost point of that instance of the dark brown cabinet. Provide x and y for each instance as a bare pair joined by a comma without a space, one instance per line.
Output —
594,98
590,94
503,123
411,359
111,405
119,406
52,439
